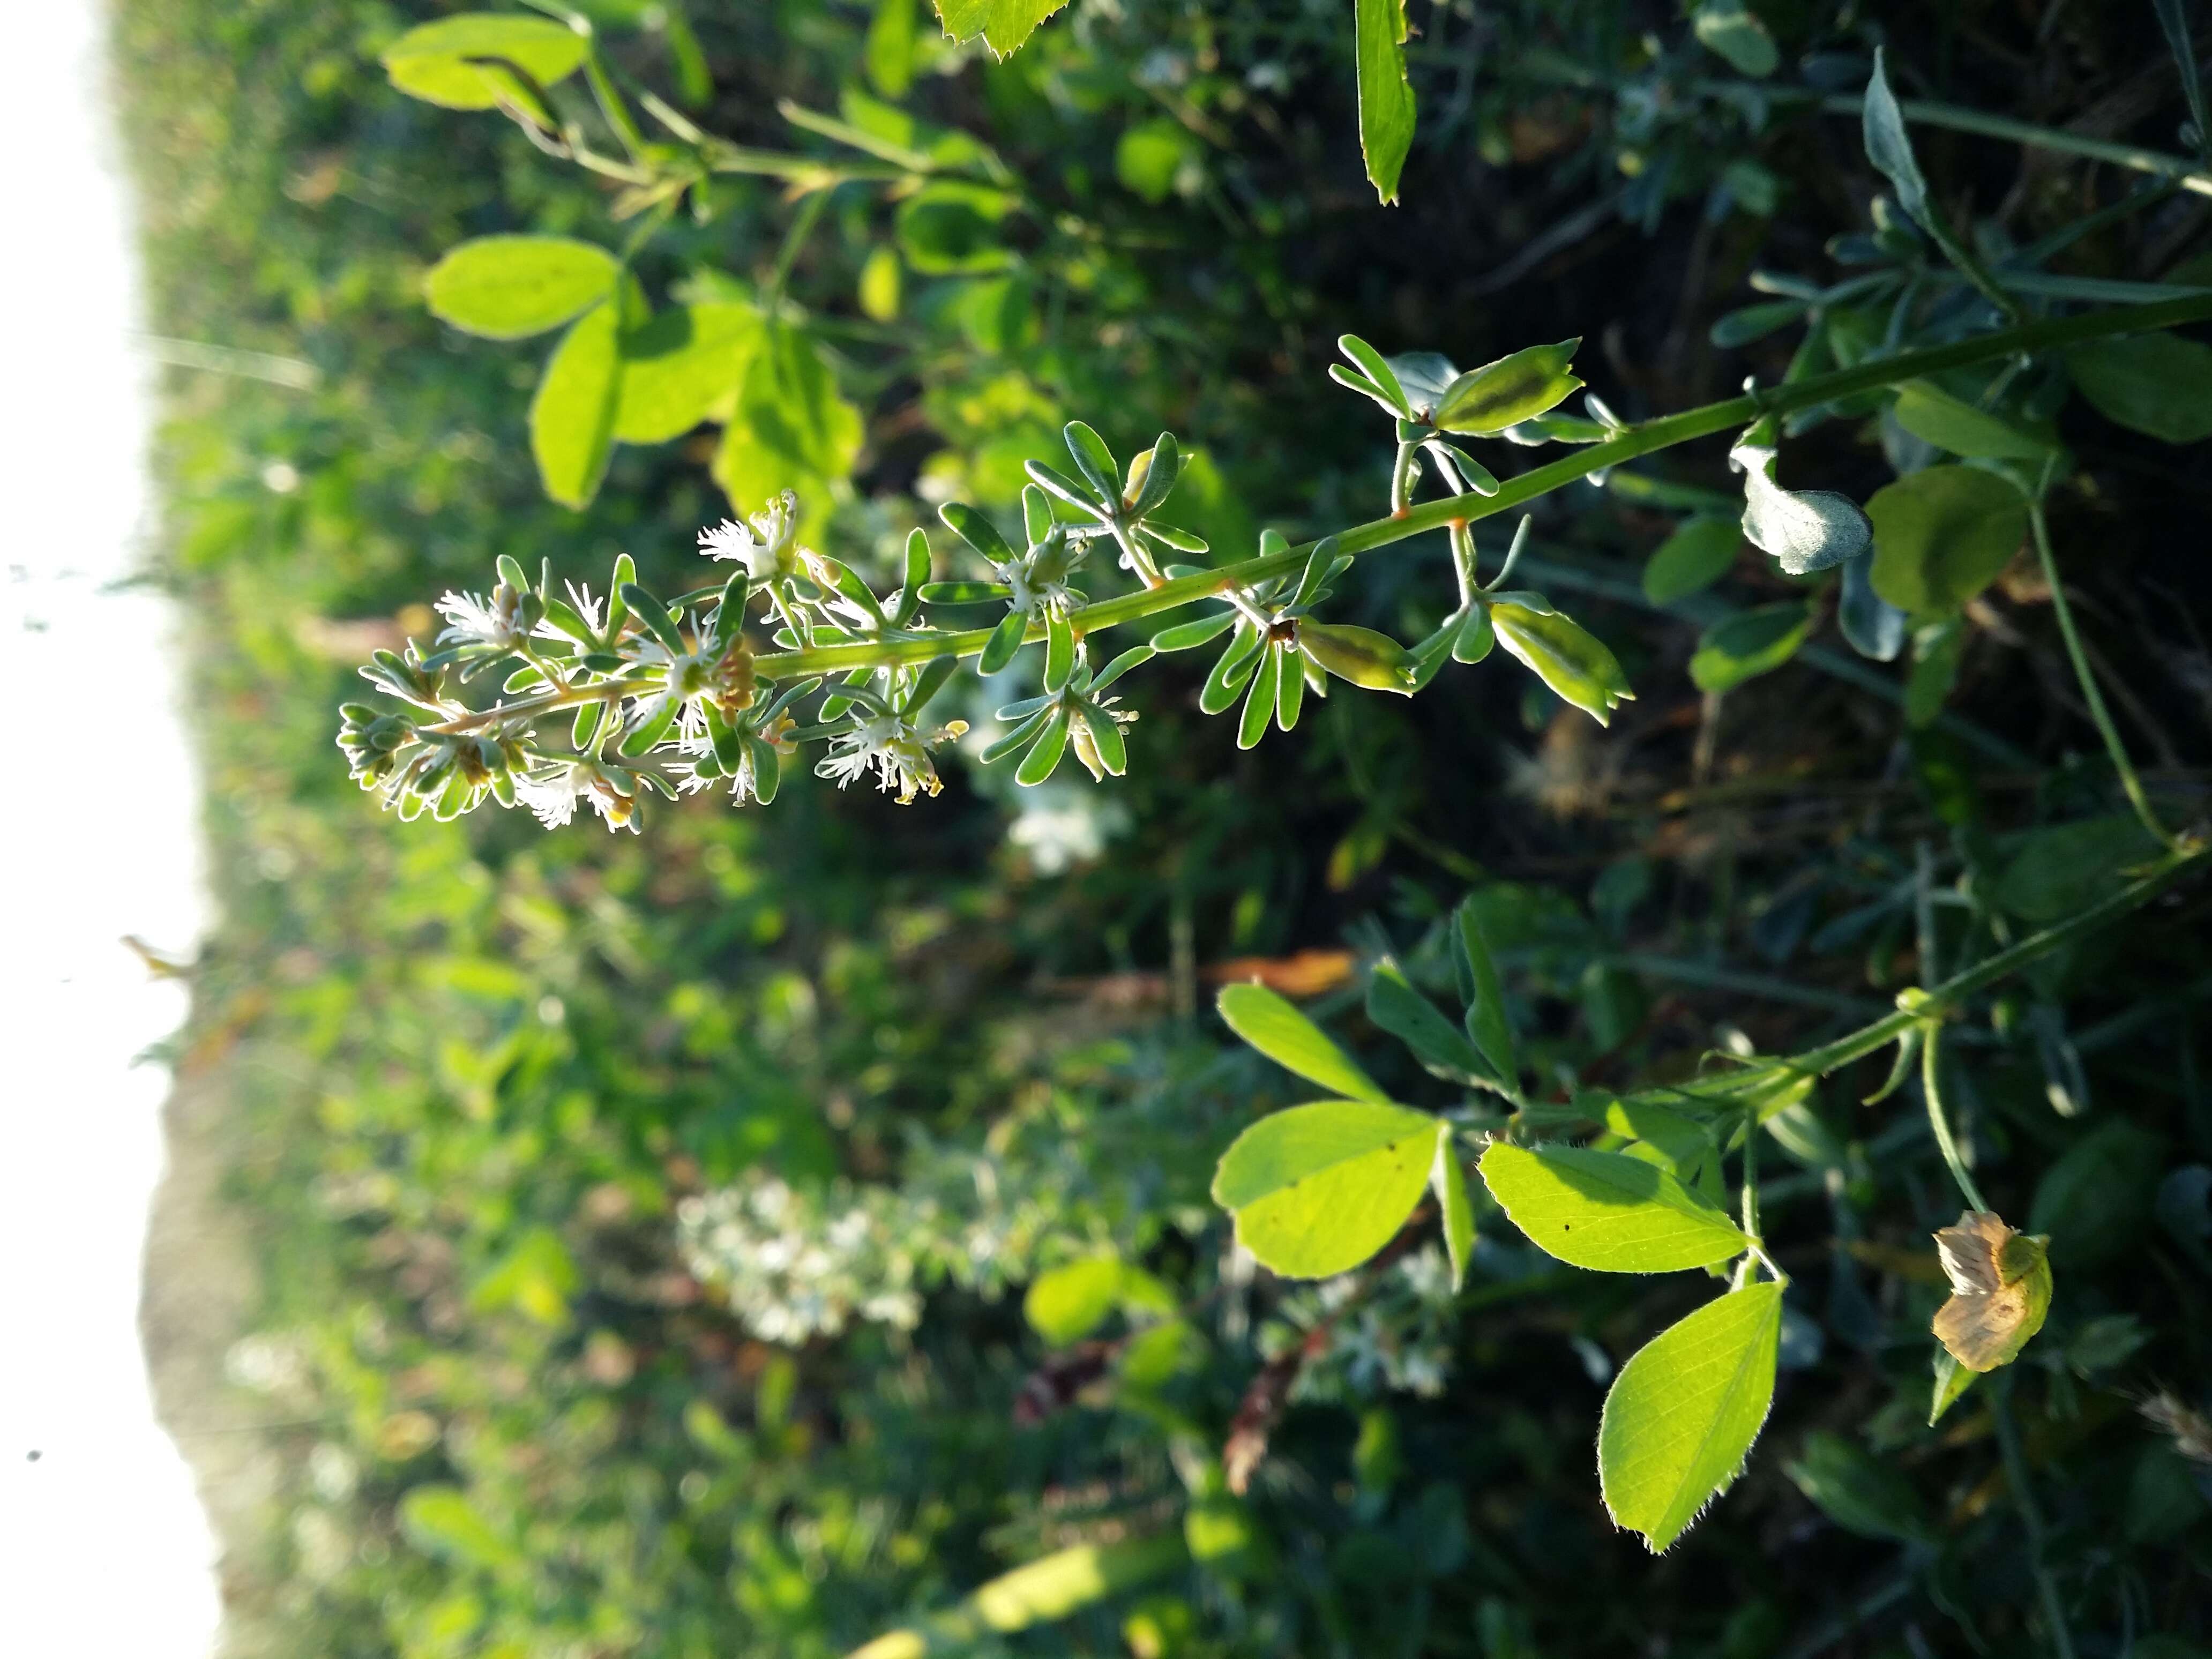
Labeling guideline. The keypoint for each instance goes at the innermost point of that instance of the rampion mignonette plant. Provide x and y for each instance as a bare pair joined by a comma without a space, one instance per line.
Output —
605,697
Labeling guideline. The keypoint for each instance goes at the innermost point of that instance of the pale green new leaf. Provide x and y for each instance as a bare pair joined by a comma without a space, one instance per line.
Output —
1294,1042
508,287
1317,1189
1386,101
1004,24
1448,1180
1681,1416
572,418
434,62
1606,1211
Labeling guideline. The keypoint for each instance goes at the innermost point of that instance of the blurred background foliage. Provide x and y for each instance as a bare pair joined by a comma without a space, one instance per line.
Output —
639,1227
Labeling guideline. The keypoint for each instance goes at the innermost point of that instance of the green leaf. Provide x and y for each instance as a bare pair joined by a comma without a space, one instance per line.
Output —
1750,322
1317,1189
1150,155
1805,529
2067,867
1729,29
2157,384
1952,1380
1873,627
1386,101
1937,651
949,229
1004,24
1699,553
1374,661
1933,414
1858,1491
432,62
1680,1418
573,416
1607,1211
1572,661
1889,146
1069,1303
1510,391
1485,1002
791,430
1743,647
1259,700
508,287
2096,1201
889,52
1399,1009
1294,1042
680,367
1942,535
441,1520
1448,1181
1044,755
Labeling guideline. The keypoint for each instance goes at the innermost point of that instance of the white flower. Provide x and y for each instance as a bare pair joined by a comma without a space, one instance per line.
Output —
552,795
762,543
582,602
896,749
474,620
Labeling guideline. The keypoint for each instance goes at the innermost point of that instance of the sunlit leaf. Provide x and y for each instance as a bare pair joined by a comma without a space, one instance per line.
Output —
1608,1211
1680,1418
454,61
508,287
572,418
1386,101
1294,1042
1317,1189
1942,535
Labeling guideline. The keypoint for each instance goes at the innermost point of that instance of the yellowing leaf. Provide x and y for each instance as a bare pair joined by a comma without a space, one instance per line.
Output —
1681,1416
1317,1189
1608,1211
2000,1291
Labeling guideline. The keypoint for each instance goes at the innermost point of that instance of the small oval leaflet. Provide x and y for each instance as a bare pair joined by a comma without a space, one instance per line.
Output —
1606,1211
1680,1418
1317,1189
509,288
1294,1042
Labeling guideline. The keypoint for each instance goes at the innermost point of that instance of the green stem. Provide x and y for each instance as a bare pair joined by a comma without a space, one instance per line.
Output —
802,226
2129,781
1940,1121
1637,441
1954,991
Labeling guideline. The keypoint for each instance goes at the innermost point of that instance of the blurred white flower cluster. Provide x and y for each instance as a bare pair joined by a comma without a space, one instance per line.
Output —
794,1266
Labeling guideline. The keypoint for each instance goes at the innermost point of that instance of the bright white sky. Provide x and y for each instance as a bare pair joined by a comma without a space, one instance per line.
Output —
104,1549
